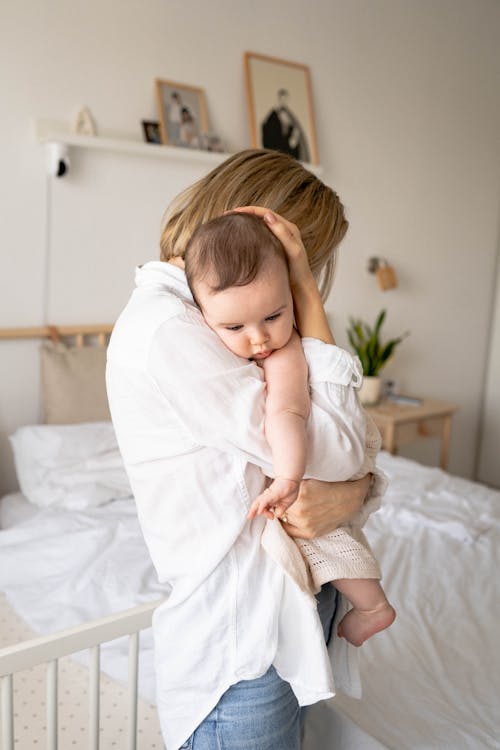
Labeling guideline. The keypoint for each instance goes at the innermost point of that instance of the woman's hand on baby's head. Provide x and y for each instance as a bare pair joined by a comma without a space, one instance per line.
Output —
289,236
275,501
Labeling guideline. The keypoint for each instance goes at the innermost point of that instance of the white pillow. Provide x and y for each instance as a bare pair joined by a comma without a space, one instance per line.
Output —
74,466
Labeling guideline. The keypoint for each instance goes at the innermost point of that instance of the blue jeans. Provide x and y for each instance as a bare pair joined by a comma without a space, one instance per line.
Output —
260,714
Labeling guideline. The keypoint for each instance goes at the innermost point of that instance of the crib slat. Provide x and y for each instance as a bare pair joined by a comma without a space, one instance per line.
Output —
52,690
94,688
133,671
7,712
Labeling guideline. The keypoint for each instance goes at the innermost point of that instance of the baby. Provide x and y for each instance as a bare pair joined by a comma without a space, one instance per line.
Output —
238,273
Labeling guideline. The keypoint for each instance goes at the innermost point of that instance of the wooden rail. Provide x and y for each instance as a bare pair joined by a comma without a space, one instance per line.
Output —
47,332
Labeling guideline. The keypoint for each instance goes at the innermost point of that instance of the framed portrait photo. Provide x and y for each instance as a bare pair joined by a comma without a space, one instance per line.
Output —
183,114
280,106
151,131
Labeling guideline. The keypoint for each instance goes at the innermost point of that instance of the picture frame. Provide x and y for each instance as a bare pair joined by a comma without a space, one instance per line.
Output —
151,131
280,106
182,111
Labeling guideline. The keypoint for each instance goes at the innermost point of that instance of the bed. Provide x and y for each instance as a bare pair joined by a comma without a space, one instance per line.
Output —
58,598
431,681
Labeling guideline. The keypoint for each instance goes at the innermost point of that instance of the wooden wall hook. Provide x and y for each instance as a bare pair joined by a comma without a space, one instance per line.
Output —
385,273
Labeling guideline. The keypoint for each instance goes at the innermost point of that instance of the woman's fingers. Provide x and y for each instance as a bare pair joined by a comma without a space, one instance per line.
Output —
289,235
256,210
280,509
285,231
270,217
324,506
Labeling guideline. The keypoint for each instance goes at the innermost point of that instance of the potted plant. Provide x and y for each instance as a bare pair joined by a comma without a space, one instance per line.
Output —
373,354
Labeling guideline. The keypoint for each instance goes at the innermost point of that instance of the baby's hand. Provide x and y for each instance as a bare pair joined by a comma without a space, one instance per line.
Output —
275,501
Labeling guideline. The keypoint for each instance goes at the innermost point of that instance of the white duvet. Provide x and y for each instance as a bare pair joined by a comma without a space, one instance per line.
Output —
431,681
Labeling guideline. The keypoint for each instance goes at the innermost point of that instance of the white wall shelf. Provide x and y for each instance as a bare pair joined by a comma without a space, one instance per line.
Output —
48,131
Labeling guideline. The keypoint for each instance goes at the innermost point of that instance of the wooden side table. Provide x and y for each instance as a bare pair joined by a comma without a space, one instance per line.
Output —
403,423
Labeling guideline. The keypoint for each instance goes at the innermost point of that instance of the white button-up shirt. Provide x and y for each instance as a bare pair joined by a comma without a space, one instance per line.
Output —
189,418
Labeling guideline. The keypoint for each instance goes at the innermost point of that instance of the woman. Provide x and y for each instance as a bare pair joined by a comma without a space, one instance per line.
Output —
238,646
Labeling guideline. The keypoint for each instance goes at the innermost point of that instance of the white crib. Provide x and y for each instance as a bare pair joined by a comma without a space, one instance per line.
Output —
49,649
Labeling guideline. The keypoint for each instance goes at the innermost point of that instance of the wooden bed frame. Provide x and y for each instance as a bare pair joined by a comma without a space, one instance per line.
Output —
57,333
49,649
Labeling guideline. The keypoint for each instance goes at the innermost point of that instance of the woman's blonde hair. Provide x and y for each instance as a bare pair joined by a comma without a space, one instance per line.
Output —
262,178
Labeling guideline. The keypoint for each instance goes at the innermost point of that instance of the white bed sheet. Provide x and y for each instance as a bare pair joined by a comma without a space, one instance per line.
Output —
431,681
15,509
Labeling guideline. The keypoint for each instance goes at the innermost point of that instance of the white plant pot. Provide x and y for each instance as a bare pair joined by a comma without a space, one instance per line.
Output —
371,390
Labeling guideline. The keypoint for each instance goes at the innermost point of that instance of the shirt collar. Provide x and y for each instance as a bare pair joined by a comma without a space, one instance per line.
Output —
164,275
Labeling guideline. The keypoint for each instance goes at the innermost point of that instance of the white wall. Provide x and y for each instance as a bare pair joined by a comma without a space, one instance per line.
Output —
408,116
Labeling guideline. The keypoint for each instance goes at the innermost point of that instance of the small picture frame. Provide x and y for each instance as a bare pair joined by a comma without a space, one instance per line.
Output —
183,114
280,106
151,131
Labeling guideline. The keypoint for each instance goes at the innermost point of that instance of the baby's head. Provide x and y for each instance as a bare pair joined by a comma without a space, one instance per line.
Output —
237,271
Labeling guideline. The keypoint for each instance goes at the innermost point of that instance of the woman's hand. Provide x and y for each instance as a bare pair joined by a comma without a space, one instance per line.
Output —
310,314
321,507
289,236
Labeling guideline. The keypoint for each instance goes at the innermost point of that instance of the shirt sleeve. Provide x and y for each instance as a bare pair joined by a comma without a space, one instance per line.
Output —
219,398
337,426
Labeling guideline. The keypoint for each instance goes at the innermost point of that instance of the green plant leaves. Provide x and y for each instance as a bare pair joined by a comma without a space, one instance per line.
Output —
366,343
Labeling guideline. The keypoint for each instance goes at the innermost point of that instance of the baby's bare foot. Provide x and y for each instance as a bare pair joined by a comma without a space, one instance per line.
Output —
358,625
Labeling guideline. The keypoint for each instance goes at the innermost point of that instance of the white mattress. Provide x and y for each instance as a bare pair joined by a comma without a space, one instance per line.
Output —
430,681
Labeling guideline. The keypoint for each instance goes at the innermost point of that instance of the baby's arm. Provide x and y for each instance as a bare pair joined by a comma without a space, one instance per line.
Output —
287,409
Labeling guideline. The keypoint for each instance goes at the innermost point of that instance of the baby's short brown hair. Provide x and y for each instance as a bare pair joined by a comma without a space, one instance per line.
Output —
230,251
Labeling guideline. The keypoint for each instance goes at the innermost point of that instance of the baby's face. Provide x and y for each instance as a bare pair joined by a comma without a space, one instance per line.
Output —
255,319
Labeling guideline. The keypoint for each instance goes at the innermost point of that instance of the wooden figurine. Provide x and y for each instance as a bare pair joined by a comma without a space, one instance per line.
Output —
85,123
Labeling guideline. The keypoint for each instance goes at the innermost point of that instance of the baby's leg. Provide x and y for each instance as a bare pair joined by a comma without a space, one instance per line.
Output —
371,611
